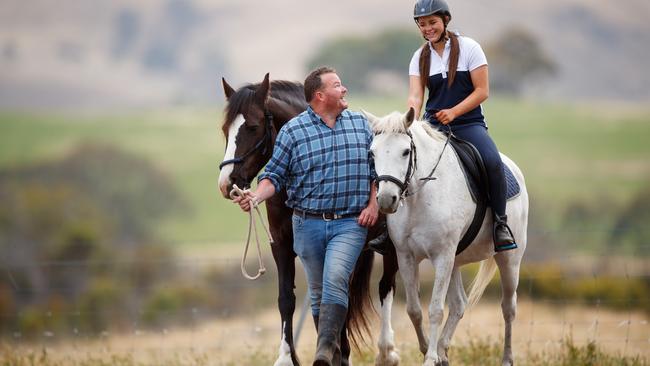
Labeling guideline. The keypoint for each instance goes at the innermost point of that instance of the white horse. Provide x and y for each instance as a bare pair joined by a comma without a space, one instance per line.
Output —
428,223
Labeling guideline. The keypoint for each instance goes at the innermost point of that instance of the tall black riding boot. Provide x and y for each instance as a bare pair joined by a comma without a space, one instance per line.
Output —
331,321
503,238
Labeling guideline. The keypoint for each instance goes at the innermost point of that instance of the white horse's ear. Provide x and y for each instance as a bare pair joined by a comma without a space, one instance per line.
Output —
409,117
372,119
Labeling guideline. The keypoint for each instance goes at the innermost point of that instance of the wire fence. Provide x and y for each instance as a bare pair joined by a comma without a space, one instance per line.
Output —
207,305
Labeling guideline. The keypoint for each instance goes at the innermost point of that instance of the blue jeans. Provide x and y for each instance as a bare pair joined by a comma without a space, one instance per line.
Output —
328,251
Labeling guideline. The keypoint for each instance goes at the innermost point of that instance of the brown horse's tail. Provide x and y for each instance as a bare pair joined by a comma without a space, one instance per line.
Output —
360,306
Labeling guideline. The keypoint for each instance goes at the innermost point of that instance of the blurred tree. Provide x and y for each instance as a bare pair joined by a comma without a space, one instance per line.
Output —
515,58
359,59
131,192
126,29
364,62
631,228
64,223
164,52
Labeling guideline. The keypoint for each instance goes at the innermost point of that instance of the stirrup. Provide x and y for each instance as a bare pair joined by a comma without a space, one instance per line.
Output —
506,242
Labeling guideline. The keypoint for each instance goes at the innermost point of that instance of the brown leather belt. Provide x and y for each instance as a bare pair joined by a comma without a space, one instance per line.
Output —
327,216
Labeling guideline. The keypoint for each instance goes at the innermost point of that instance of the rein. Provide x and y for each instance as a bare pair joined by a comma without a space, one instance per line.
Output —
263,143
412,167
238,192
430,176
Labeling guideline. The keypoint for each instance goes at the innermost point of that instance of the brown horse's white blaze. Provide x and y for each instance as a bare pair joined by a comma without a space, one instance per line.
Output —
225,183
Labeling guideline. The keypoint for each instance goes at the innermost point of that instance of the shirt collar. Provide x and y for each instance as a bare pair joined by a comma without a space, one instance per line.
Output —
316,118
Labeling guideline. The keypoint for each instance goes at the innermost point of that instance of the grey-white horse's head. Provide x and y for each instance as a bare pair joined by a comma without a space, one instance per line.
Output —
394,156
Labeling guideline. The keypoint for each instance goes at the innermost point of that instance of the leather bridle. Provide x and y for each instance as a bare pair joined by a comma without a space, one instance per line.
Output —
410,171
264,143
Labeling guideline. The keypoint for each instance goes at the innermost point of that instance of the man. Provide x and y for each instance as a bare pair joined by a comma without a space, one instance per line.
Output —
321,158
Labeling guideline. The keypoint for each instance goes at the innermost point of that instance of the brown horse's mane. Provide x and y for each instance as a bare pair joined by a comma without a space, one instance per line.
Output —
289,92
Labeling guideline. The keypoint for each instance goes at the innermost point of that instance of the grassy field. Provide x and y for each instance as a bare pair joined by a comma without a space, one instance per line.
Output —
543,335
568,153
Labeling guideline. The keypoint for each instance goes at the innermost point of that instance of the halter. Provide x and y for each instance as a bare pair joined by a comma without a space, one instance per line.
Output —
410,170
263,143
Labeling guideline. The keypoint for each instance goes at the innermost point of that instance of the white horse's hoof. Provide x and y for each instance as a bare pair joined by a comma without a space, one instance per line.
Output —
284,361
432,362
390,358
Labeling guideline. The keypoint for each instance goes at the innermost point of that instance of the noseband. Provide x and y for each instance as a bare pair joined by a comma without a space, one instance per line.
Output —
263,143
410,170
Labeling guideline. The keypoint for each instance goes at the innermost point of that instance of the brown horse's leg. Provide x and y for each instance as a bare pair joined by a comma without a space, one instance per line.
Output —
285,261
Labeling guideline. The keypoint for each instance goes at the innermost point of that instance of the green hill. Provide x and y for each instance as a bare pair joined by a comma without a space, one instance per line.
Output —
581,154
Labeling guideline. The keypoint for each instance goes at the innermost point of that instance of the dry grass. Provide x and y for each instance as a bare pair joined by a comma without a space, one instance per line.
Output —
254,340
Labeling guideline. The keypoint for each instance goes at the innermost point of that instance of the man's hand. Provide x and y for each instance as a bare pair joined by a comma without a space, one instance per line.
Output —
264,191
247,201
369,215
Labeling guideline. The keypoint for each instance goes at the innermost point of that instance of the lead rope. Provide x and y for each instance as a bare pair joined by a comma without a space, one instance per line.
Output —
238,192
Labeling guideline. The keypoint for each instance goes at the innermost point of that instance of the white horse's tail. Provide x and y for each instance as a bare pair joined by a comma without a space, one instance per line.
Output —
483,277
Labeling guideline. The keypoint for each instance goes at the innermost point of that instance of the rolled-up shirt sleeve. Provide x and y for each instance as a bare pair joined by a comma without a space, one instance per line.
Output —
278,167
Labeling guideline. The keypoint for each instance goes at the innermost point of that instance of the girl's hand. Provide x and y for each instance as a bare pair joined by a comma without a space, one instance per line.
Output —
445,116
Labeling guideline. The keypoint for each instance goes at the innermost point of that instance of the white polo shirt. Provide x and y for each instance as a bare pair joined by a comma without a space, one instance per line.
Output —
441,96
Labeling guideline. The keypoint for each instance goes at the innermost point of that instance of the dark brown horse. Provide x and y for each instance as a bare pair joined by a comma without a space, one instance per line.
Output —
253,116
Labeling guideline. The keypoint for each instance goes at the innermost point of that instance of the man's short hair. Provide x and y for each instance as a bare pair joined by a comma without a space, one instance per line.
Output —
313,81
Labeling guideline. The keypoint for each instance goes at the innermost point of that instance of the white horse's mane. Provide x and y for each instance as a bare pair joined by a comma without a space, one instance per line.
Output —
394,123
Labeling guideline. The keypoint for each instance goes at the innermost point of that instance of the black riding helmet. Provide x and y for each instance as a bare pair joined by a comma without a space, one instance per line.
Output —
429,7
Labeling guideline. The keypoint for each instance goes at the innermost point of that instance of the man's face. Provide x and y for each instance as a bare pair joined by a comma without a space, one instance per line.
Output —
333,92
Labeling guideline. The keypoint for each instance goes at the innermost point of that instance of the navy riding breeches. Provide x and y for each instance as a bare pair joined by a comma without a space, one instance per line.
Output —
478,136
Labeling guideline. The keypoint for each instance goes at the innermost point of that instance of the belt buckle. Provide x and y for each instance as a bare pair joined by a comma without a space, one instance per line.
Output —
329,216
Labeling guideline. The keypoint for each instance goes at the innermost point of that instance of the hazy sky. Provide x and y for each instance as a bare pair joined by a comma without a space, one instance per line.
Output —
96,52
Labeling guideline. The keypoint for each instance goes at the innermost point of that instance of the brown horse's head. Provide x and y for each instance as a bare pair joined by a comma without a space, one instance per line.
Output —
253,115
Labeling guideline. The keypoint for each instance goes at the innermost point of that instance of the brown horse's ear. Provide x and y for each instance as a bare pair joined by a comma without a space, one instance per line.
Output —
227,89
263,91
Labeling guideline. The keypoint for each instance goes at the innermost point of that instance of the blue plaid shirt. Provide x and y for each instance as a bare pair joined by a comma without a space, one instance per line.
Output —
323,169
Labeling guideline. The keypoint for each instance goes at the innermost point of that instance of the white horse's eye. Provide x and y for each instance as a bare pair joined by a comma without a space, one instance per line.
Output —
406,152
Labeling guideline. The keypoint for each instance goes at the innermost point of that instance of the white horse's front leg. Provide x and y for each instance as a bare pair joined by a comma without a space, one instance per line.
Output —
388,355
409,269
284,353
456,301
443,265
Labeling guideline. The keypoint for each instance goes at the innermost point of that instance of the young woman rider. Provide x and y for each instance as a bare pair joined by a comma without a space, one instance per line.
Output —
454,70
